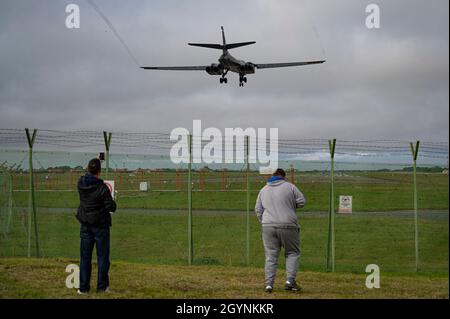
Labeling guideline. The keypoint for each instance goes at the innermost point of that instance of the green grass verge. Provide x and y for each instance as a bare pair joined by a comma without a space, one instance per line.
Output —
45,278
160,237
371,191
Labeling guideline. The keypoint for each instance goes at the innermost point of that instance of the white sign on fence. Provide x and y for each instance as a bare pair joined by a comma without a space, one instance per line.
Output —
143,186
345,204
111,187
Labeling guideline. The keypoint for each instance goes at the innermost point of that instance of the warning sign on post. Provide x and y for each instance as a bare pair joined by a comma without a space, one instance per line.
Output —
345,204
143,186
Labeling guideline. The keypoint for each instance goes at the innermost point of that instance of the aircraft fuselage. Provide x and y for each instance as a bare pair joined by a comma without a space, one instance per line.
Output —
230,63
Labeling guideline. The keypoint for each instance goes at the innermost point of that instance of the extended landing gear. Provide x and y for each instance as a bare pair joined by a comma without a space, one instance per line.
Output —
223,79
242,80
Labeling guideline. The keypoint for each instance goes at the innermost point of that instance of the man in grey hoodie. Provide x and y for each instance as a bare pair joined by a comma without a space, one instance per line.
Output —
276,210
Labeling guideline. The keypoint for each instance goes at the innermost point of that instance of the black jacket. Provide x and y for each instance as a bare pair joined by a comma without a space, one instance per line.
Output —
95,202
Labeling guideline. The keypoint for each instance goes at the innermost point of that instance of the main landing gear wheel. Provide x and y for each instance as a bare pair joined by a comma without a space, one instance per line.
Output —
242,80
223,78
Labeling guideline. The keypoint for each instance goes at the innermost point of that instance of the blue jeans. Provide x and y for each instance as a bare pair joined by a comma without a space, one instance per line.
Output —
89,236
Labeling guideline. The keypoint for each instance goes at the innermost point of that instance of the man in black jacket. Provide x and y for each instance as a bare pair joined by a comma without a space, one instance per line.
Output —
96,203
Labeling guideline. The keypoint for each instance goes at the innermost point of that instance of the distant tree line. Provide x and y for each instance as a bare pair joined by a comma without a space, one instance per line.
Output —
434,169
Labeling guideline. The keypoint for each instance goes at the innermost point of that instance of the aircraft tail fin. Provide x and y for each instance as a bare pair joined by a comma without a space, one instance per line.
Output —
224,42
224,46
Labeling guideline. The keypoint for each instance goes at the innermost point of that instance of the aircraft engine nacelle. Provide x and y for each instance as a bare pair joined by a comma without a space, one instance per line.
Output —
248,68
214,69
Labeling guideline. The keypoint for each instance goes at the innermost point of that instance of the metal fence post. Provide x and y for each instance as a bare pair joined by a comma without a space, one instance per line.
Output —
107,138
415,151
10,201
32,199
247,162
190,237
331,233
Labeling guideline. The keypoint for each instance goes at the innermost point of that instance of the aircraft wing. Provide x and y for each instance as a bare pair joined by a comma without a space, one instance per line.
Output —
176,68
283,65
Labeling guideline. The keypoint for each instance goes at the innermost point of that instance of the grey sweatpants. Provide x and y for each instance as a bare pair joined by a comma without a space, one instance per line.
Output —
274,238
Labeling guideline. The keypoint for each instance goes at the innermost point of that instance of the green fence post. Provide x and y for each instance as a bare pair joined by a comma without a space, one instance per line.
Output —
247,162
190,237
107,137
10,201
415,151
32,199
331,233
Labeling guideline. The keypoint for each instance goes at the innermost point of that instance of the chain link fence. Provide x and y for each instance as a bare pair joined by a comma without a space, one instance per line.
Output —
152,224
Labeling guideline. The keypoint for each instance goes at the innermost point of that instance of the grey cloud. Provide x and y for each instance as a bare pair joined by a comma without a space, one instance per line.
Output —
386,83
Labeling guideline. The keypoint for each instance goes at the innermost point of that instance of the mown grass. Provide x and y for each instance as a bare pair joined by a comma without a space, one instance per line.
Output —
371,191
45,278
149,247
160,237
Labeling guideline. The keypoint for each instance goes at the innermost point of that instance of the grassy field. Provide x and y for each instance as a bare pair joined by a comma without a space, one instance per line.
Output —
160,237
45,278
371,191
149,238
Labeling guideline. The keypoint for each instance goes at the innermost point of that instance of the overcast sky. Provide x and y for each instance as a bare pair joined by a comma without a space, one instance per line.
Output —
386,83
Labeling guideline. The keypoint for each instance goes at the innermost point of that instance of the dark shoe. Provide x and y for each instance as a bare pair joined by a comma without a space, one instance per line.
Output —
292,286
268,289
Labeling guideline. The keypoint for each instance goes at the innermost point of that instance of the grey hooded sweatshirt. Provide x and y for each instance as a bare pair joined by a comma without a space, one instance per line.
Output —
277,202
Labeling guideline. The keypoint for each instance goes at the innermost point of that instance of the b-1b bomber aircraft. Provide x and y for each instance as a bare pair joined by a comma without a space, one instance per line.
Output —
229,63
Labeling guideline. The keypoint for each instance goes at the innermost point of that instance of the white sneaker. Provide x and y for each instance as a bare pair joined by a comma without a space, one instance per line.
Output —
81,292
268,289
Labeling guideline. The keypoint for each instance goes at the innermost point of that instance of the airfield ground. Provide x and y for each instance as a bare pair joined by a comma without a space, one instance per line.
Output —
45,278
371,191
149,243
160,237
